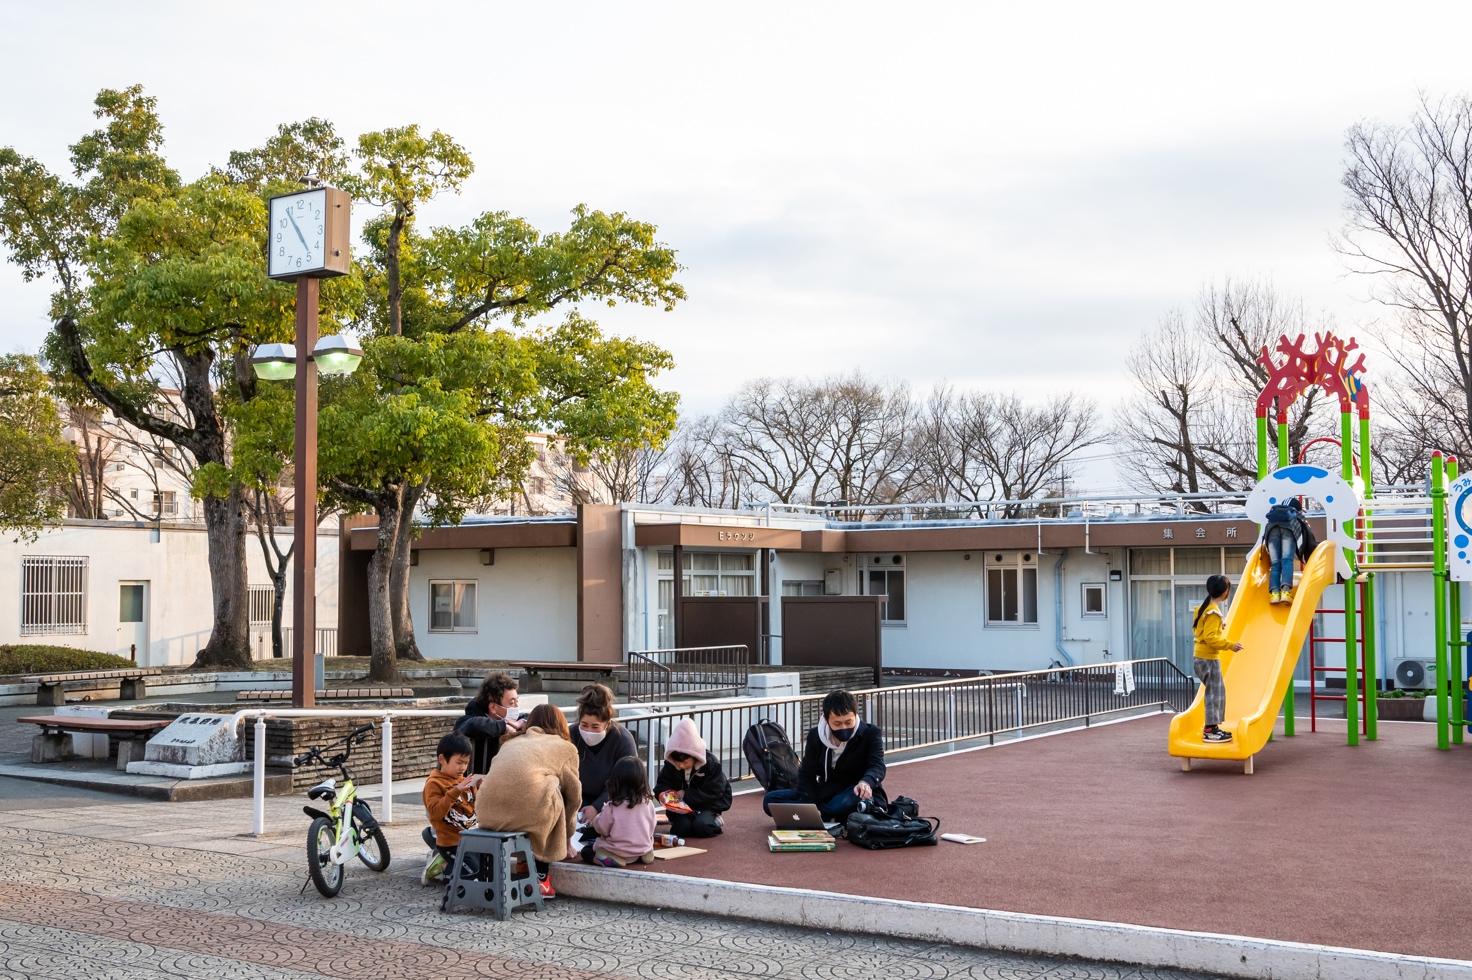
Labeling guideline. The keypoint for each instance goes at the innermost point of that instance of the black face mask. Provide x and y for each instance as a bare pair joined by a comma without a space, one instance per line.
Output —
843,734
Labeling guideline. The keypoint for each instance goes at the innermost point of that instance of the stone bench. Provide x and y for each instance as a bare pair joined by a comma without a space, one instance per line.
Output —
331,694
536,671
54,744
51,688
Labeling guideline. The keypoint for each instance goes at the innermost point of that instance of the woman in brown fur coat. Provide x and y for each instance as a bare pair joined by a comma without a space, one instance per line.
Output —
533,788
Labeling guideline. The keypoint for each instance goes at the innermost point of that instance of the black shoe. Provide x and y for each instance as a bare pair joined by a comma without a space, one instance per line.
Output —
1217,735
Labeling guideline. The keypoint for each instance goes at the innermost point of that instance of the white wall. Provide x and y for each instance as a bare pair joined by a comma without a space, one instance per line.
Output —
945,620
526,604
174,563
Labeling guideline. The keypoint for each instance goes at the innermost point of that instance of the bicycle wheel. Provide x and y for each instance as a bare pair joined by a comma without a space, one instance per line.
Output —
372,847
326,874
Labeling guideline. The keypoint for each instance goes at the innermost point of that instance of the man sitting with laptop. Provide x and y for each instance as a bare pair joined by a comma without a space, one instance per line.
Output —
842,765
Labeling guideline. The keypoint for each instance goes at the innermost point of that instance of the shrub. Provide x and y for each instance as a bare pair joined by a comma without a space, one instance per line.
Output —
35,658
1405,692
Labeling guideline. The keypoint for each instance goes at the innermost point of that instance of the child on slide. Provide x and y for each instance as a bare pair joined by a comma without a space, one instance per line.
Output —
1286,534
1210,630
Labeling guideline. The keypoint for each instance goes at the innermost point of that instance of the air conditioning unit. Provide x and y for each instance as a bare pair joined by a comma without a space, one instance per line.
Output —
1415,673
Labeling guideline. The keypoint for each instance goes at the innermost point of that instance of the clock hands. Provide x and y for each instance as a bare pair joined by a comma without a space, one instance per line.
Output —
297,230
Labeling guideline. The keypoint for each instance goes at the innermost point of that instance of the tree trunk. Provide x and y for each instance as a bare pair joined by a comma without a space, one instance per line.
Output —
384,663
406,645
225,527
278,603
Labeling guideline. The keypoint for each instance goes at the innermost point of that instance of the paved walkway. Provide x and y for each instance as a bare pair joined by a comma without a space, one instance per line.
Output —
147,890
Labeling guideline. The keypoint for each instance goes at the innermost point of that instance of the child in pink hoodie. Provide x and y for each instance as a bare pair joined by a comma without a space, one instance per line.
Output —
692,787
625,825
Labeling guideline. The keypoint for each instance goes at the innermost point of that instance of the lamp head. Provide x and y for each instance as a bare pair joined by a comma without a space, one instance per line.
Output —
335,354
275,362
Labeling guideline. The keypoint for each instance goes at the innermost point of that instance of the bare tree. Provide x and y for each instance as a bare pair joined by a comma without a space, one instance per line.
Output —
1189,425
700,469
1409,229
95,454
863,450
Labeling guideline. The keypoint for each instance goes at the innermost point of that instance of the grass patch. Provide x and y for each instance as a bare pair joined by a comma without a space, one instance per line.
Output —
36,658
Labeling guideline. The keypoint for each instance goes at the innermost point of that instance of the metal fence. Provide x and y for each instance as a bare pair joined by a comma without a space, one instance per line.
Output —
664,675
914,716
920,716
260,642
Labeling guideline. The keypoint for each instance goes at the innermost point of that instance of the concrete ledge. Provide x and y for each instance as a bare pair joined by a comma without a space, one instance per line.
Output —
174,770
1039,935
109,780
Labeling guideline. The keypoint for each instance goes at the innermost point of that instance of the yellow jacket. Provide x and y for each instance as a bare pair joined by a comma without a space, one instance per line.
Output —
1211,634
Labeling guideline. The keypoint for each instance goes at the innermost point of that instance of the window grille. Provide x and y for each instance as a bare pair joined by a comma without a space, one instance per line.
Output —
53,595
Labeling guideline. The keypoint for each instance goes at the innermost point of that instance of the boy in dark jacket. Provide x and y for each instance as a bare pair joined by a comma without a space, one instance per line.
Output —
842,762
1286,534
692,787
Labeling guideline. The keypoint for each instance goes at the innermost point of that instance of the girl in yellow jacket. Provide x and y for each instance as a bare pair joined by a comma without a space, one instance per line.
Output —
1210,630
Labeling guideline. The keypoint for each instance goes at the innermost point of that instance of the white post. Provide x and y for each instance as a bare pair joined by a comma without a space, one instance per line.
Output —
258,818
386,811
951,715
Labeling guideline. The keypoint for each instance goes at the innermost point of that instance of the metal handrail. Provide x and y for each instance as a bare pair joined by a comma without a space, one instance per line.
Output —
915,716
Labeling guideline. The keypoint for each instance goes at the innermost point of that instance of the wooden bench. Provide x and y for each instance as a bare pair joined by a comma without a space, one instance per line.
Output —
54,744
331,694
51,688
536,670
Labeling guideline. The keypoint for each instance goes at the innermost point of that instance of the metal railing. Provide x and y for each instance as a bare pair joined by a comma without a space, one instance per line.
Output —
1396,532
664,675
913,716
920,716
260,641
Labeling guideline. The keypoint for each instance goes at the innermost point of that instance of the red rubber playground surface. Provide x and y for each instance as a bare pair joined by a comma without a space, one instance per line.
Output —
1365,847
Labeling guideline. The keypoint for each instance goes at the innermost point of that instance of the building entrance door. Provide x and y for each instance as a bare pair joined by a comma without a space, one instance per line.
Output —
132,639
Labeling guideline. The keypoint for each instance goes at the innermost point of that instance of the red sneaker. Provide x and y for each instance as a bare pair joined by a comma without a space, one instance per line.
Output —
548,892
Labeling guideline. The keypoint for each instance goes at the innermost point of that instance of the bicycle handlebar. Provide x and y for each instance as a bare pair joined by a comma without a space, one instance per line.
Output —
352,738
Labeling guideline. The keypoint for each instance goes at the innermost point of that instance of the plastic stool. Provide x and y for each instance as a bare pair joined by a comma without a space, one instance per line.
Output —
491,885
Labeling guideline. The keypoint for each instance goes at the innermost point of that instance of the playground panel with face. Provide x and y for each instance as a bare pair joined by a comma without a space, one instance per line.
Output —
1459,529
1340,500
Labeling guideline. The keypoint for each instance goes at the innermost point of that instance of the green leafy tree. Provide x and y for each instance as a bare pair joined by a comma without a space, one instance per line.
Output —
155,277
36,463
454,280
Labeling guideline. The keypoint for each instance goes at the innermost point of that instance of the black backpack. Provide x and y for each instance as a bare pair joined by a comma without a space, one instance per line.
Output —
770,755
878,827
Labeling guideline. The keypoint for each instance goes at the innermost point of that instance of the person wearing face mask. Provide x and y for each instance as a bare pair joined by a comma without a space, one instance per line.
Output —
490,716
842,762
600,742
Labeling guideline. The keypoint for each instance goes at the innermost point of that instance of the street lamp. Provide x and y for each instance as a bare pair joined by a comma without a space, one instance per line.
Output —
306,242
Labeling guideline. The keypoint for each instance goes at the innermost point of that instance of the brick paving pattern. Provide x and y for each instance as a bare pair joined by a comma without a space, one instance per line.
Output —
108,892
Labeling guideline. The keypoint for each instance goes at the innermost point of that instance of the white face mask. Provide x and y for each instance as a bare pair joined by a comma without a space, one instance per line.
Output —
590,739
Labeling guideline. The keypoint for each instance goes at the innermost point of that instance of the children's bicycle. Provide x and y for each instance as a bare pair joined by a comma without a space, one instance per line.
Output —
347,829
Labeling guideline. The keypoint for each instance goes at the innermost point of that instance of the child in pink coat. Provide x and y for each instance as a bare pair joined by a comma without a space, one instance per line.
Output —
626,823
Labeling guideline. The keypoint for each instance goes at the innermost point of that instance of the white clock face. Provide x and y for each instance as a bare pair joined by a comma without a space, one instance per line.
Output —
298,234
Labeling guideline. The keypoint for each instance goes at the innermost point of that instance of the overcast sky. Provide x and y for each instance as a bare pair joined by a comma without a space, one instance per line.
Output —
998,197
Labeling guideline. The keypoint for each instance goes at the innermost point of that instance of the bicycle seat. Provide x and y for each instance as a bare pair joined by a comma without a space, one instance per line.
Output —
325,790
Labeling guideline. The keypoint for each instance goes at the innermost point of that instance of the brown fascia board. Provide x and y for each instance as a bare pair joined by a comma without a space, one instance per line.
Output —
718,536
540,534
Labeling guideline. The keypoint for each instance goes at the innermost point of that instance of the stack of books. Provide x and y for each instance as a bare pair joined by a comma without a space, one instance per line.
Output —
800,840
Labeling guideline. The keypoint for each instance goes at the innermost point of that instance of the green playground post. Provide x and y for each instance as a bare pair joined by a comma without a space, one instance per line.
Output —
1438,580
1262,447
1351,632
1372,660
1289,722
1454,637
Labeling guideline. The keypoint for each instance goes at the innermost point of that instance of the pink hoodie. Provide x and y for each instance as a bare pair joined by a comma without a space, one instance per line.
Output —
686,739
625,831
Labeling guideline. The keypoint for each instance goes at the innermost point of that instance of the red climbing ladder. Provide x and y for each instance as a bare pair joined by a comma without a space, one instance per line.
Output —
1315,668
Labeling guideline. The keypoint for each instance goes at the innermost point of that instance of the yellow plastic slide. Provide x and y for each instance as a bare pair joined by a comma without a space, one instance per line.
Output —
1257,677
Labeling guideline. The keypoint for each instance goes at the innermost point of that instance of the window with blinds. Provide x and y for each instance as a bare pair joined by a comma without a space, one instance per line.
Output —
53,595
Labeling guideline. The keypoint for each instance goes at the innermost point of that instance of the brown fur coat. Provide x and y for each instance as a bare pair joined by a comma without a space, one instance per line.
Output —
533,788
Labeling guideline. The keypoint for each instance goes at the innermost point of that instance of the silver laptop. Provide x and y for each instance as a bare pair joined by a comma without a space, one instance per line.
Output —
797,816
